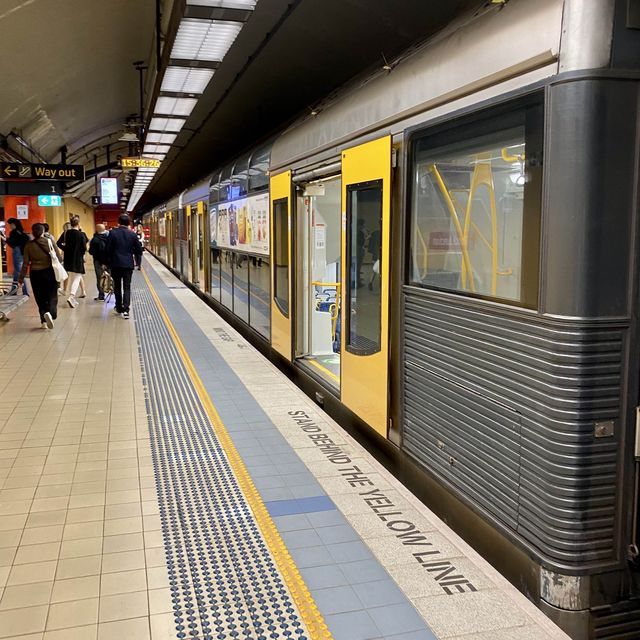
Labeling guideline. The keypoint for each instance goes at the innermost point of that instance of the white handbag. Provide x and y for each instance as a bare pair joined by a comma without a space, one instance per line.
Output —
58,269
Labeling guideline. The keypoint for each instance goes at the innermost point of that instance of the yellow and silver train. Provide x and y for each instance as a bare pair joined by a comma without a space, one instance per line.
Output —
445,256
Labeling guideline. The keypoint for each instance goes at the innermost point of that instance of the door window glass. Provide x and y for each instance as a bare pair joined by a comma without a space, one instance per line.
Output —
215,274
281,254
364,244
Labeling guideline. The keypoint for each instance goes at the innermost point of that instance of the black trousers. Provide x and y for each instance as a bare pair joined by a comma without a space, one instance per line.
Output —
122,287
45,291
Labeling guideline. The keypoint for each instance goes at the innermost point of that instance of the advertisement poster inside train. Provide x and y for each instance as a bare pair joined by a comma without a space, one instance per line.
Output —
242,224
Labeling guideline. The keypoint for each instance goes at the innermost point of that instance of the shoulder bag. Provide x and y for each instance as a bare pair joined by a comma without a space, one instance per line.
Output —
58,269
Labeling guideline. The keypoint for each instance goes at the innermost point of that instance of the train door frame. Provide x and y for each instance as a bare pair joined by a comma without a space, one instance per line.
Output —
366,168
281,204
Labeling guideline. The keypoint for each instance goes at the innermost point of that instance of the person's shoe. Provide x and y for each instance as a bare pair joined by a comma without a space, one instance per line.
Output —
72,302
14,290
99,298
61,292
48,320
43,325
117,312
84,295
125,315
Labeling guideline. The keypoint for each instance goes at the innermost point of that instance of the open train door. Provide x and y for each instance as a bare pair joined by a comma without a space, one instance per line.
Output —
366,210
281,307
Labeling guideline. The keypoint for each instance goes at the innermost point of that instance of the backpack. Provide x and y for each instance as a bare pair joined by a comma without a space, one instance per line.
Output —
98,248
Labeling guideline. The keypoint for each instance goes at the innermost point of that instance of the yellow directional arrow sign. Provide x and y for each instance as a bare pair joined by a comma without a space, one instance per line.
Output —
8,170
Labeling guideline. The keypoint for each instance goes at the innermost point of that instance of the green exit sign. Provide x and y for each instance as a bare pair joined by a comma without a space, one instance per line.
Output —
49,201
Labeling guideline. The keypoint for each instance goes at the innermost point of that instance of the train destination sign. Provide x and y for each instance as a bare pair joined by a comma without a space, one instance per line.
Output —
59,172
139,163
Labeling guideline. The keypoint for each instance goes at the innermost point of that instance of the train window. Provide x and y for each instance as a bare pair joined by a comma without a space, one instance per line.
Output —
281,254
239,178
364,229
214,189
241,286
226,278
259,169
475,215
224,192
216,255
259,286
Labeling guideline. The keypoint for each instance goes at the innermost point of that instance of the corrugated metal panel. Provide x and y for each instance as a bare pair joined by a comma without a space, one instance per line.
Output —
513,398
618,622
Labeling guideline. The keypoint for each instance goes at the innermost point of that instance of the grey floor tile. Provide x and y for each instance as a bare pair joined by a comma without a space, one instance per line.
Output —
326,518
397,619
311,557
349,551
292,523
337,533
363,571
301,538
378,593
353,625
323,577
337,600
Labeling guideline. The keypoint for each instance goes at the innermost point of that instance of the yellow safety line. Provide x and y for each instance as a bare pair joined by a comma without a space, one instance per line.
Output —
323,369
312,618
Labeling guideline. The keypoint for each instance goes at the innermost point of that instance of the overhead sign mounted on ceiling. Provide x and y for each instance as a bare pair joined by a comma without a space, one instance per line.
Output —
22,171
109,190
139,163
49,201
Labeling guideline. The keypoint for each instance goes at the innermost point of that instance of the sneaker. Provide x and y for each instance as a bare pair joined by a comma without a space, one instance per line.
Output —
125,315
61,292
84,295
117,312
72,302
48,320
99,299
43,325
14,290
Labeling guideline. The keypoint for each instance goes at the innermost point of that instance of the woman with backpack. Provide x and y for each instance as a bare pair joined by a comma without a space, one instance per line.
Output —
17,240
37,259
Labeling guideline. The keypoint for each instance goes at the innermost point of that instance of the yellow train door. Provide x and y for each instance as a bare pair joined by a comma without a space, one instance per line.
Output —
281,304
366,207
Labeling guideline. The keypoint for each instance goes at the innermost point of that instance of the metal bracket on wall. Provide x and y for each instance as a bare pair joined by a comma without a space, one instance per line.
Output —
604,429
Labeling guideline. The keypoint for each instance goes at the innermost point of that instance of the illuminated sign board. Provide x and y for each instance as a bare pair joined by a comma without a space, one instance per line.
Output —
49,201
139,163
109,190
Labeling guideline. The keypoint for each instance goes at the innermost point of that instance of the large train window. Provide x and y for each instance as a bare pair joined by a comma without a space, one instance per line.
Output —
364,229
281,254
475,215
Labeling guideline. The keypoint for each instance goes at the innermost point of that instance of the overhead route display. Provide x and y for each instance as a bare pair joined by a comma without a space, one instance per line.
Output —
139,163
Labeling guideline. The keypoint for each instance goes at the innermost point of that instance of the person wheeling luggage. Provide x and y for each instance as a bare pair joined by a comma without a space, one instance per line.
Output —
37,259
74,244
124,252
98,249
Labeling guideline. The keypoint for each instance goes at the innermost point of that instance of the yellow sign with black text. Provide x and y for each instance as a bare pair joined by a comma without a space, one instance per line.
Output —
139,163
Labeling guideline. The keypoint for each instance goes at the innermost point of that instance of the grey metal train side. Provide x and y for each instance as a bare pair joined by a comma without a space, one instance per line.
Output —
521,418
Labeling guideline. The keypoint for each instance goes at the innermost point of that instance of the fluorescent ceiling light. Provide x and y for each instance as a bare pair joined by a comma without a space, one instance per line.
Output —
186,80
204,39
165,138
174,106
166,124
225,4
155,148
156,156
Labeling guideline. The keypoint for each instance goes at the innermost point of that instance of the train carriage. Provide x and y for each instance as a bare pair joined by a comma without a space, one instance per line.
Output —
445,255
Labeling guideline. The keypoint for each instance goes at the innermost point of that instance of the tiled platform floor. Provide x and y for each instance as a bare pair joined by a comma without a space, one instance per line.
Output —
81,547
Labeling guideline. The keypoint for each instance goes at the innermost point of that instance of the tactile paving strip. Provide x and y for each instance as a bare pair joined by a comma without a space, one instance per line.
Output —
223,578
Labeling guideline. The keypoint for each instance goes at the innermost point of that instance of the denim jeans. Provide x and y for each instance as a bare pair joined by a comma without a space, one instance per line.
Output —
18,260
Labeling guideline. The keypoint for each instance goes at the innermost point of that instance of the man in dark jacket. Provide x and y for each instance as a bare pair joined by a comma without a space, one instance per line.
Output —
124,252
73,242
98,249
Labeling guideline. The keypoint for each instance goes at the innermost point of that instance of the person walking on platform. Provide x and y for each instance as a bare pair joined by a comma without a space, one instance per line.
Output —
124,252
37,259
74,244
98,249
17,240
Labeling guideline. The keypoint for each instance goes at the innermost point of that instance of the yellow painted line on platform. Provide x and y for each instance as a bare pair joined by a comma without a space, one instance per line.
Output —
309,612
322,368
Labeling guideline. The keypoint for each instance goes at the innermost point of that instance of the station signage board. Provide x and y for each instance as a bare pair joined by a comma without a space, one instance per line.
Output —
49,201
109,190
23,171
139,163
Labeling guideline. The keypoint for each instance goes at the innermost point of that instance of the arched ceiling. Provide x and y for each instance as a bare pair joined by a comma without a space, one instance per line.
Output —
68,77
